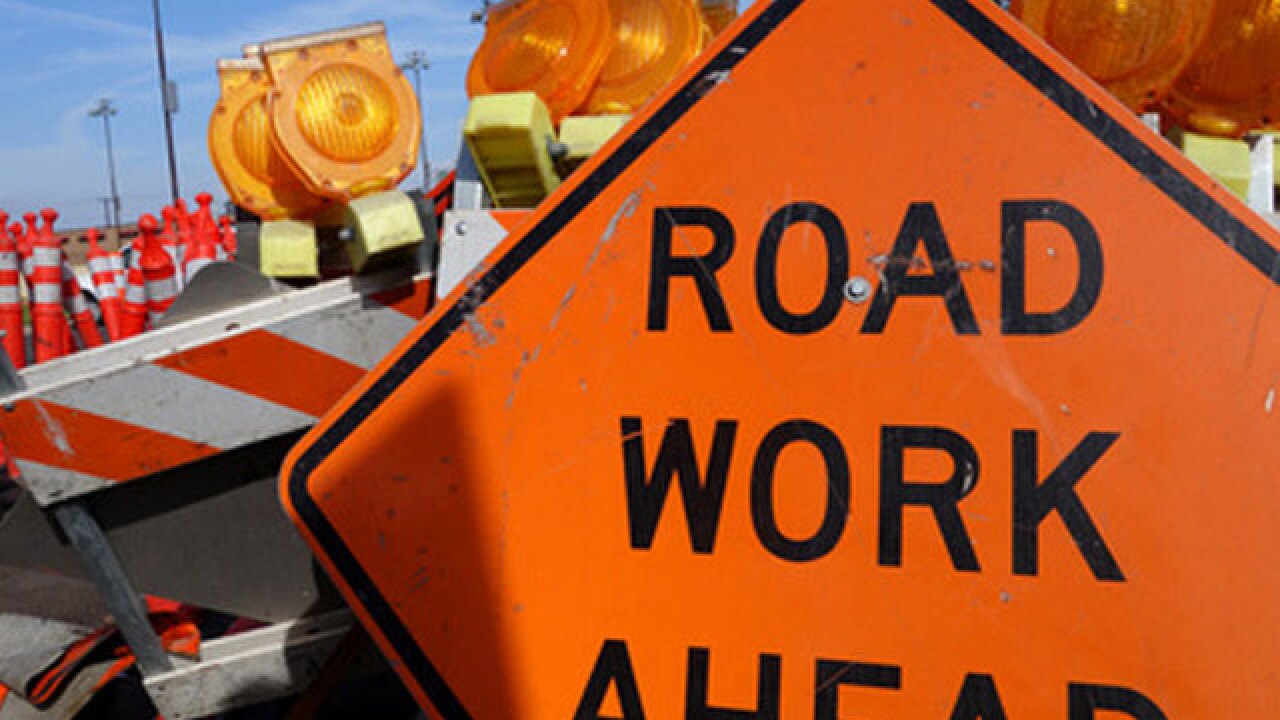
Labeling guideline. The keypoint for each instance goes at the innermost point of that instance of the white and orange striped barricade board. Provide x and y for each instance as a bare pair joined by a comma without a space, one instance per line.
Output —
157,457
193,390
882,367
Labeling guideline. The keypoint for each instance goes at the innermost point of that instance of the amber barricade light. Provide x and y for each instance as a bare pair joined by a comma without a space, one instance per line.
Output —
554,48
653,40
344,115
348,123
1231,85
255,174
1134,48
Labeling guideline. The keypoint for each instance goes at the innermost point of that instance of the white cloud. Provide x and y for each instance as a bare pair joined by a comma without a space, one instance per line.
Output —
65,20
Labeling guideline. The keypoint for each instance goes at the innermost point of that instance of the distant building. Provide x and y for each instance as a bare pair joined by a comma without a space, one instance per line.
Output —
76,244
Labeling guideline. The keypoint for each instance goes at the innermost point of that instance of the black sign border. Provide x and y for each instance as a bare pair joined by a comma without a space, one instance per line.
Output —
1199,203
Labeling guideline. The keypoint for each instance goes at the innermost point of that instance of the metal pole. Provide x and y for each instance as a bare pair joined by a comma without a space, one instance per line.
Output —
422,109
104,110
104,570
417,61
111,170
164,102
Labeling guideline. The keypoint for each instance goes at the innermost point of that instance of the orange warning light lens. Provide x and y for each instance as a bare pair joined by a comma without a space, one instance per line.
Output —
251,137
1235,75
652,41
343,114
255,174
554,48
347,113
1134,48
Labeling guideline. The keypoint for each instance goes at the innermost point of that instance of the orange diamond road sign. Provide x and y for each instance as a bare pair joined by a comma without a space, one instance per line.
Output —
884,367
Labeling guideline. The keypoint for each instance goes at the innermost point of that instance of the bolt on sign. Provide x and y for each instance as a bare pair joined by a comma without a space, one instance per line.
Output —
884,367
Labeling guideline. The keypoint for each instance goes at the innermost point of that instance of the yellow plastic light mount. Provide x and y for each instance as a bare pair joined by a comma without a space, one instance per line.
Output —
1232,84
1226,159
653,40
344,115
243,152
554,48
583,135
287,249
1134,48
386,230
509,136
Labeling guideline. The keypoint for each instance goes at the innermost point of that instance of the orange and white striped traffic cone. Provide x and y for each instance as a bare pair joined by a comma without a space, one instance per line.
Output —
19,243
157,270
103,276
182,234
173,240
76,306
69,342
183,216
49,324
86,328
133,321
11,298
32,229
227,237
18,233
26,239
203,248
116,259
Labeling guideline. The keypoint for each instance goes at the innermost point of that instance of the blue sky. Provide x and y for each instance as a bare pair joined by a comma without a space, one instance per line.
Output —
59,56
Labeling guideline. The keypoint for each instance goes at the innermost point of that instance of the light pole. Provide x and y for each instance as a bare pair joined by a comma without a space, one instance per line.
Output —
416,61
168,98
106,211
105,110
